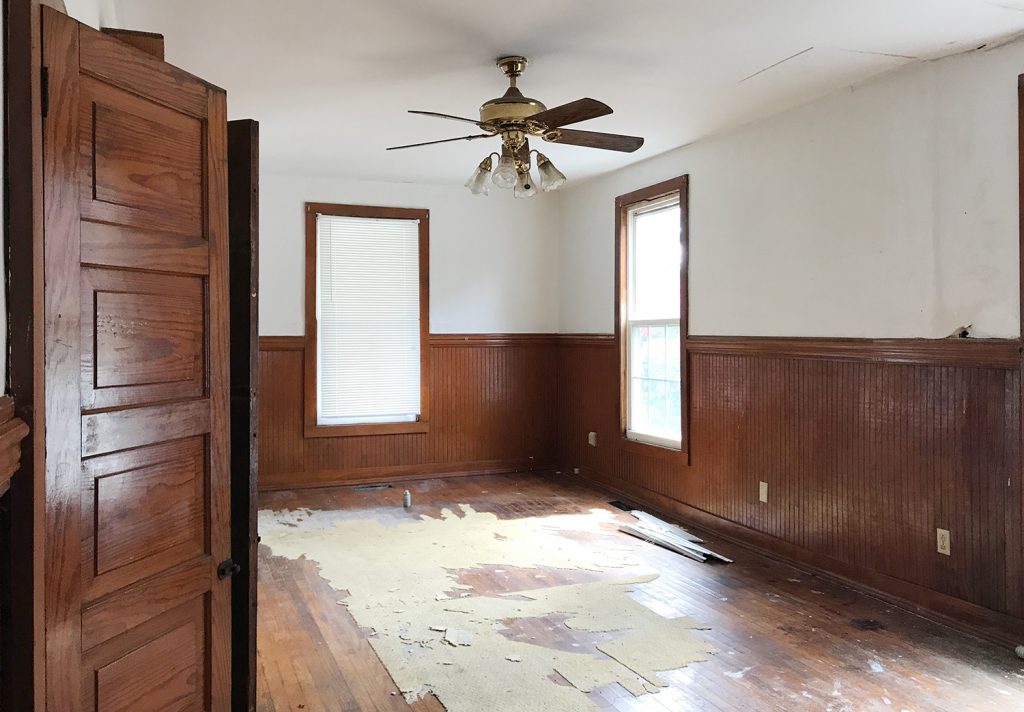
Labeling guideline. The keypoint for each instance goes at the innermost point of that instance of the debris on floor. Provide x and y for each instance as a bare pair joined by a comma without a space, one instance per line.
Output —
668,536
457,636
448,647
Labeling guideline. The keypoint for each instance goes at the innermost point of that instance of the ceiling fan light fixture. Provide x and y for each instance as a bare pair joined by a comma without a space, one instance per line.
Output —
524,186
550,177
477,182
504,175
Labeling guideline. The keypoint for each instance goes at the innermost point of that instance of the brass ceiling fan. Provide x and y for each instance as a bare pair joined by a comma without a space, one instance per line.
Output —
515,118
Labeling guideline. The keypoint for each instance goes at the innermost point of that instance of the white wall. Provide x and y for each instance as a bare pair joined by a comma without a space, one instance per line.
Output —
95,13
493,261
886,210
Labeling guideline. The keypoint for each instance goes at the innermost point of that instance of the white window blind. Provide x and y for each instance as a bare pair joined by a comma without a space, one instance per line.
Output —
368,320
654,254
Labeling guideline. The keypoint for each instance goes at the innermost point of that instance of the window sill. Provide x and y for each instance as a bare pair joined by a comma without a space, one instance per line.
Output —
365,429
661,452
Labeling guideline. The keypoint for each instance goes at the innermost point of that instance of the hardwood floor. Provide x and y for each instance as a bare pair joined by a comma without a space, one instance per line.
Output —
788,640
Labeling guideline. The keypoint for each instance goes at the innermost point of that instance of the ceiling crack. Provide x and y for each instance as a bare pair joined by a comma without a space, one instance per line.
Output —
772,66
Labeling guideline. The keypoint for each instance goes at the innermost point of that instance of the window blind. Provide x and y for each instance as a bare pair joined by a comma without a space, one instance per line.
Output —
368,320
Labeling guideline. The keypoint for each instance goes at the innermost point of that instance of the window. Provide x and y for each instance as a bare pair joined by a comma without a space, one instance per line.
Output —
366,320
652,314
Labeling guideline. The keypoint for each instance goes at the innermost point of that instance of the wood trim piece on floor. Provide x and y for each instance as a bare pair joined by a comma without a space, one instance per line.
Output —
397,473
964,616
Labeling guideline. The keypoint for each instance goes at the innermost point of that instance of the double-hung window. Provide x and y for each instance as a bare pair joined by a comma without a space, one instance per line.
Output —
652,313
366,320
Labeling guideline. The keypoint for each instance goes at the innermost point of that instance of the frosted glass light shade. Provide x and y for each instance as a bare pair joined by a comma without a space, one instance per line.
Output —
550,177
524,186
504,175
477,182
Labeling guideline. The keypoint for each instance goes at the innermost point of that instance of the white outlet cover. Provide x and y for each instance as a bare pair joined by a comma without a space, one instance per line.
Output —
762,491
942,543
592,439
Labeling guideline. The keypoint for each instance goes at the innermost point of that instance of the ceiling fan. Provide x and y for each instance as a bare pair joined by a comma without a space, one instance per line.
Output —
515,118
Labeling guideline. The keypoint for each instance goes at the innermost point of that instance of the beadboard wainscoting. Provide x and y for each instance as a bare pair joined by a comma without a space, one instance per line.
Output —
492,409
867,447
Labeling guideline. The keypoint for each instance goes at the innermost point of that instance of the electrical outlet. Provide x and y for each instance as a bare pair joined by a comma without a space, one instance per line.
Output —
575,470
762,491
942,541
592,439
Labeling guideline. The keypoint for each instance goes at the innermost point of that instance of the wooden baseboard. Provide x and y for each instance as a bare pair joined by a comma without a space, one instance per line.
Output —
967,617
398,473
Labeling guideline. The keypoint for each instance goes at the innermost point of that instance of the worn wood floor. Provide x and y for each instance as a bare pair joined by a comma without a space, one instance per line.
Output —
788,640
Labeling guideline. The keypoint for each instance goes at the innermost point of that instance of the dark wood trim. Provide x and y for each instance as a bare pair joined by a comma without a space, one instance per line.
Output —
586,340
243,250
311,429
23,649
282,343
475,340
983,353
962,615
1015,497
151,43
623,203
61,366
12,432
980,353
396,473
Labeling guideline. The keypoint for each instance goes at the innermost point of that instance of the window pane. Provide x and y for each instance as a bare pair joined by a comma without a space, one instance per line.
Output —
656,258
368,320
654,255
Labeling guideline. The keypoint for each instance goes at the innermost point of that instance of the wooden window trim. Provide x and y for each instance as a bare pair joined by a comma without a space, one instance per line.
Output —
312,429
623,203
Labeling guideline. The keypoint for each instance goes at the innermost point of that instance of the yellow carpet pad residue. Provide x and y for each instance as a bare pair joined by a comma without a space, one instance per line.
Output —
435,635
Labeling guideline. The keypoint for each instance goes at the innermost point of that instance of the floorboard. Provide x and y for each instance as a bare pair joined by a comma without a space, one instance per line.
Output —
788,640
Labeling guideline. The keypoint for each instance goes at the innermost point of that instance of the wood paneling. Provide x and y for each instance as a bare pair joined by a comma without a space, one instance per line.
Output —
867,448
493,409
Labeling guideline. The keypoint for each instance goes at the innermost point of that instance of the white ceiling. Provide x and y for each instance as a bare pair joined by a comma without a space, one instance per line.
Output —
330,80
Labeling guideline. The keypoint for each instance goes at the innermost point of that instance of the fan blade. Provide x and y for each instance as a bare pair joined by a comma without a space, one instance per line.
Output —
595,139
444,140
446,116
571,113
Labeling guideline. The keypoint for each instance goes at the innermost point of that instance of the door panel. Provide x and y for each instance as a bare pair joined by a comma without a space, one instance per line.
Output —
159,665
141,162
136,380
142,337
142,513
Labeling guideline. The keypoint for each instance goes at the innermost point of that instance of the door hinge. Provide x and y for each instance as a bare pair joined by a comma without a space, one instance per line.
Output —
227,568
44,91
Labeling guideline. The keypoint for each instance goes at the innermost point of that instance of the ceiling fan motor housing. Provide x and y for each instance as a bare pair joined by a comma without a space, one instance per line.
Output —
512,107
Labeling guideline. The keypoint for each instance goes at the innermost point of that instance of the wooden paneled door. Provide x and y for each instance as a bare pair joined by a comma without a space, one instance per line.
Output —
135,376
